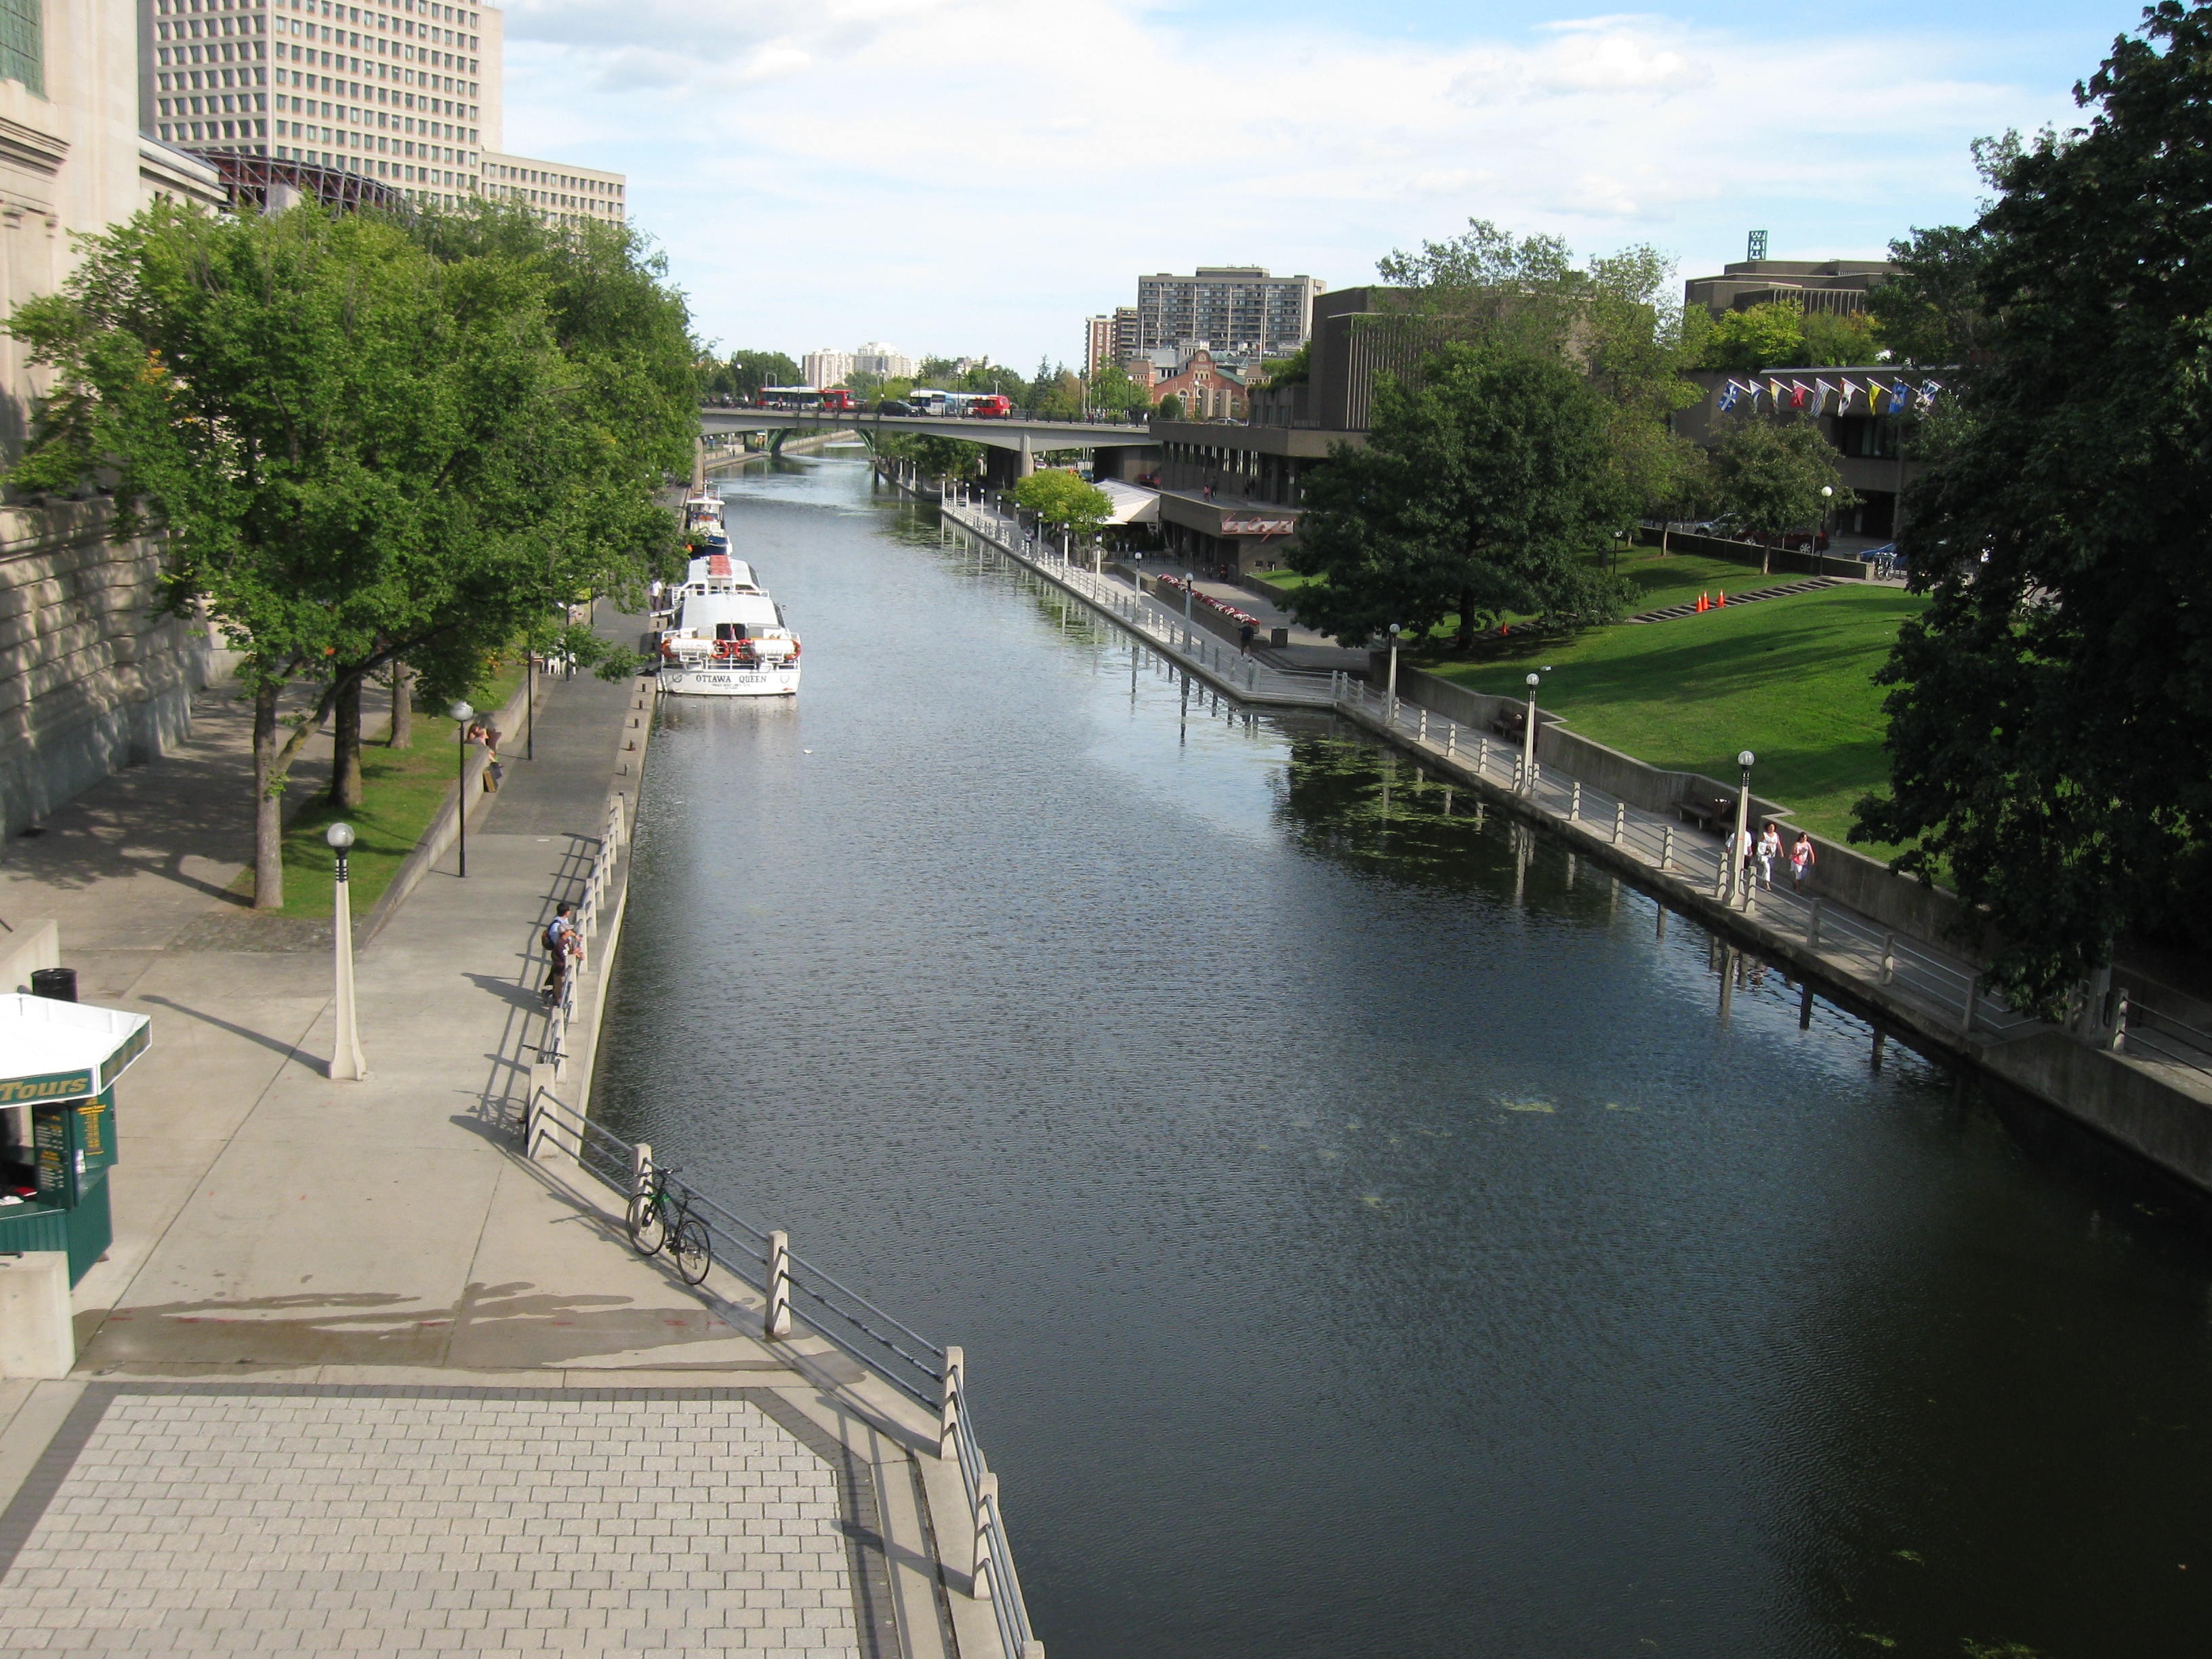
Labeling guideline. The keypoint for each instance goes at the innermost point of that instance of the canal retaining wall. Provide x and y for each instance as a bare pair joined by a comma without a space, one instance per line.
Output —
1842,872
1868,937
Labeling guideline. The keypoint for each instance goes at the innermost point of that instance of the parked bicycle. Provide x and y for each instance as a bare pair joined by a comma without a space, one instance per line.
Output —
660,1217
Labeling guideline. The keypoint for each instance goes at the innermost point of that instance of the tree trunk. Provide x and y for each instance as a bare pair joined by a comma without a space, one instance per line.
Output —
402,707
1666,530
268,803
345,750
1766,555
1466,641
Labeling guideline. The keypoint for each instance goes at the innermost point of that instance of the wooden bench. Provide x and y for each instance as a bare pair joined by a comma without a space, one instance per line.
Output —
1716,815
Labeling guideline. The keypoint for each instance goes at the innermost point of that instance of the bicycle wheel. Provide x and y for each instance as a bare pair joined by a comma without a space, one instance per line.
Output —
648,1228
695,1250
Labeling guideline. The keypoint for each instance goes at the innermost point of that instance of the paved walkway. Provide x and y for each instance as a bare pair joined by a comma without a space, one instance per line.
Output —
275,1227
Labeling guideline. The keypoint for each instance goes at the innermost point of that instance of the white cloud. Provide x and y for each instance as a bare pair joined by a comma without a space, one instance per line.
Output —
979,174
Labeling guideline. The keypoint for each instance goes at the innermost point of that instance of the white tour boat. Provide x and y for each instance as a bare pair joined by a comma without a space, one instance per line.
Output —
725,637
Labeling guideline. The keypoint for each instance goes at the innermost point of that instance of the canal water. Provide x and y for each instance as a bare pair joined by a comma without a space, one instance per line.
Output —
1371,1233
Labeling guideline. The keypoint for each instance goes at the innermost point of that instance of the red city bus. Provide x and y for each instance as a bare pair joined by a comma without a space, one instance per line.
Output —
993,406
840,401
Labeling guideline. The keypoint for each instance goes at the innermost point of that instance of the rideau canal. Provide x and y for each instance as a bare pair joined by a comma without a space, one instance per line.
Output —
1370,1233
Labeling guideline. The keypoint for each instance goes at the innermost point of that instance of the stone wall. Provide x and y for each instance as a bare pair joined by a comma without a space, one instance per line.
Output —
90,678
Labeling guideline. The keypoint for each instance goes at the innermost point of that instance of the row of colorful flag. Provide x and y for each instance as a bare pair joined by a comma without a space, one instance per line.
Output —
1813,399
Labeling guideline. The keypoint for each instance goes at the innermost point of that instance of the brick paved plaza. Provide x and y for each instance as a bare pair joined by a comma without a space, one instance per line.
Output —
277,1518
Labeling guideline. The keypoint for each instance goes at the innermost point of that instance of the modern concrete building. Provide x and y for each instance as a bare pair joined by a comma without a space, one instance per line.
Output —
91,677
827,366
559,190
877,358
403,93
390,92
1236,310
1832,285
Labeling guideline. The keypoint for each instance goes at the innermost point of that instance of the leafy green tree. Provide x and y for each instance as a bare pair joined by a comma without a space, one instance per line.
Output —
1833,338
747,372
1065,499
1112,390
1293,370
1752,338
939,371
2050,720
1770,474
1482,490
361,448
1615,316
936,457
1930,313
1171,406
1061,399
994,379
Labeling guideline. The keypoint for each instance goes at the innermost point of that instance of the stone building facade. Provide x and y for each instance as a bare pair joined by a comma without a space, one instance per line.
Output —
90,678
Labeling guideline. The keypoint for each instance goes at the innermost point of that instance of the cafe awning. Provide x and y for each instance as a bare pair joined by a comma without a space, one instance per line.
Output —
52,1050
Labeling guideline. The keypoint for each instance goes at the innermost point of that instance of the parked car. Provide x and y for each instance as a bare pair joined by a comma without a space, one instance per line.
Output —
893,406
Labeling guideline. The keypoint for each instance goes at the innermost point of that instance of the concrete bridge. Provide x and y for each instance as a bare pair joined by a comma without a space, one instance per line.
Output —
1121,450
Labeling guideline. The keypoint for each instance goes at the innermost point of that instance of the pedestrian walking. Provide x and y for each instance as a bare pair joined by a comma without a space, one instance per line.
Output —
564,948
1801,860
1746,849
1244,639
1770,848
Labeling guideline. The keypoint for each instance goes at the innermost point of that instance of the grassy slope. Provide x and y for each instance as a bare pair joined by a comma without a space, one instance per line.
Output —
1791,679
1653,582
402,790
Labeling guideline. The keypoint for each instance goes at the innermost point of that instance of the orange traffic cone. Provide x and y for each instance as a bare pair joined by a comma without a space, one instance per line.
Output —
1704,603
1723,599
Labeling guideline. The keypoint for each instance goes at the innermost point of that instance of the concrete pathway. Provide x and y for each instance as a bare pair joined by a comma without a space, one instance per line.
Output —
275,1227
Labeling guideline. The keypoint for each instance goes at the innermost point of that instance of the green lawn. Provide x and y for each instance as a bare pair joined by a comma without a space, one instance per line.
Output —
1791,679
402,790
1654,583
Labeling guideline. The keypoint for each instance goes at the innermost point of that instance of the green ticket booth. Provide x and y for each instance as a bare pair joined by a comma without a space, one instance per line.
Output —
58,1065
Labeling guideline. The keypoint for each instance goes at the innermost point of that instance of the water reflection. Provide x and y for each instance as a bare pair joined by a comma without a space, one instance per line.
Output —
1368,1234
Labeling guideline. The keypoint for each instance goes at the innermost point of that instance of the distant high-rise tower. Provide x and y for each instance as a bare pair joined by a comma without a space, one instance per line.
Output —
1236,310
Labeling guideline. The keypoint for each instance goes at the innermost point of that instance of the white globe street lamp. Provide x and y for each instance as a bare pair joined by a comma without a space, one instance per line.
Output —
1736,850
347,1064
462,713
1529,742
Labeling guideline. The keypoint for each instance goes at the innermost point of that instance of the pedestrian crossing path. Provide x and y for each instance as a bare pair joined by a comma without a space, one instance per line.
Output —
1809,585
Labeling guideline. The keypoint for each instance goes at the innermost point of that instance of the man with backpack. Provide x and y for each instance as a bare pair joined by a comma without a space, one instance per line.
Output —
563,946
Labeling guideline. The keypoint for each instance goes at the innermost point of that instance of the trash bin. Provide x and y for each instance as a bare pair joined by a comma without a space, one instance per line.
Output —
58,984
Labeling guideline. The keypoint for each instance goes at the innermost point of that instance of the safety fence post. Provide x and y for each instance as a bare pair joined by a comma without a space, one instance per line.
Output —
777,1320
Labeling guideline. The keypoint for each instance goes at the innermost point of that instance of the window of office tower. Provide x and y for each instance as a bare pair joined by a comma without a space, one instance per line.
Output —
22,45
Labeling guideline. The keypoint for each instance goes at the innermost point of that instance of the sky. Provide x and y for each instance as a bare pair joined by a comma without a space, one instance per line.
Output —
972,177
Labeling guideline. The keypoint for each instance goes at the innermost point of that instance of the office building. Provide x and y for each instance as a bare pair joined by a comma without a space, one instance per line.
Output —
826,367
889,362
401,95
561,190
94,675
1234,310
1830,285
